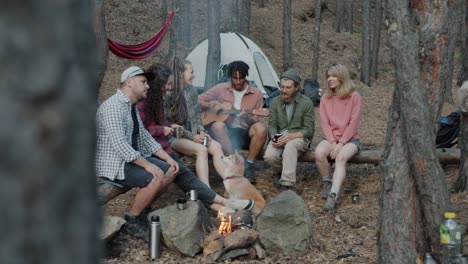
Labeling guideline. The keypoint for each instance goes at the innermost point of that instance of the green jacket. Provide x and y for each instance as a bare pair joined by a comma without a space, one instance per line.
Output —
302,120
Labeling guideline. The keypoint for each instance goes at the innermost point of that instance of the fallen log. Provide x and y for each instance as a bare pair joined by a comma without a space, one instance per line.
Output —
108,190
374,156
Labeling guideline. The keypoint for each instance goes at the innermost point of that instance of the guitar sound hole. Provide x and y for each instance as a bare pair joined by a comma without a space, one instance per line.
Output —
219,112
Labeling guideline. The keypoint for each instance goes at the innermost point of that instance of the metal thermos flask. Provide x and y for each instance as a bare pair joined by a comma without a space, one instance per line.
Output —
155,235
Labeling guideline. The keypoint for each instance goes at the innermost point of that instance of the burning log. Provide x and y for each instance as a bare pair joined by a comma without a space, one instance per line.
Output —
234,232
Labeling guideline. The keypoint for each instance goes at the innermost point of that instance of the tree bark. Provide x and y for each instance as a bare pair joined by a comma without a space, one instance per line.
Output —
101,40
462,182
244,20
47,180
214,43
262,4
339,15
316,40
437,56
414,192
366,43
287,49
349,17
186,22
235,16
164,12
376,39
175,31
464,46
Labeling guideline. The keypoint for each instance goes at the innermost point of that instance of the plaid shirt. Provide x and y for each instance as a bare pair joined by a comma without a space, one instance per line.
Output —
114,127
194,123
156,130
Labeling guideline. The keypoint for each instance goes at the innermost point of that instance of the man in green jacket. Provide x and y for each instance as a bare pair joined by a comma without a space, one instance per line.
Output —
290,128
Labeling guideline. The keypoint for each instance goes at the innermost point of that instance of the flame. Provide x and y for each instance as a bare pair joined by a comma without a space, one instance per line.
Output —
225,226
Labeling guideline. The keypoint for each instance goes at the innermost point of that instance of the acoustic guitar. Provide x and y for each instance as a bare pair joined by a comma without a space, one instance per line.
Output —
223,110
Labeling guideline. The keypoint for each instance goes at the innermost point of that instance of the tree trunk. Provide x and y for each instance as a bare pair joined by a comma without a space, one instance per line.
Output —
414,192
366,43
349,17
244,19
339,15
101,40
287,50
462,182
316,40
48,186
186,21
376,39
439,47
262,4
464,46
235,16
164,12
175,31
214,43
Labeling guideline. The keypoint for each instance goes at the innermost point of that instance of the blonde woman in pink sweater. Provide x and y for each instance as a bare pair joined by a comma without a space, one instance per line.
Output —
340,115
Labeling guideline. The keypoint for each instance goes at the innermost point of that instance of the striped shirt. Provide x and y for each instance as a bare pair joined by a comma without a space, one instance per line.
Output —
114,126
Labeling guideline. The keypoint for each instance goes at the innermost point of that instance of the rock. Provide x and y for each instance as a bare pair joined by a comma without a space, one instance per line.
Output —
110,227
285,226
182,230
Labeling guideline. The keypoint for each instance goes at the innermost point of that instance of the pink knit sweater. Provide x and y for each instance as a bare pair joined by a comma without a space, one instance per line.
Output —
340,117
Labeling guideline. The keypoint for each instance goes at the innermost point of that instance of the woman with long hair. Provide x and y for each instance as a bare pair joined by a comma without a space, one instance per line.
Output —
340,115
152,114
183,109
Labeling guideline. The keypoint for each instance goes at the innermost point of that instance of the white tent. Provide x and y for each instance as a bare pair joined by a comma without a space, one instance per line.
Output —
235,46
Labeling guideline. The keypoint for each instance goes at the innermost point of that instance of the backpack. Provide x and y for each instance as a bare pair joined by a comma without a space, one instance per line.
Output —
449,128
311,89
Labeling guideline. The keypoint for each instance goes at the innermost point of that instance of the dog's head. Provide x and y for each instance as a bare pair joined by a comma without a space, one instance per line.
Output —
233,164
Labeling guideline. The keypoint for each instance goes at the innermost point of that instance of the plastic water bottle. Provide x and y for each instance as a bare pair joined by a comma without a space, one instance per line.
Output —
450,239
154,241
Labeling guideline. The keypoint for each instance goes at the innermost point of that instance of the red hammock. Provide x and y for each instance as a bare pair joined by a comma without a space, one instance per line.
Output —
143,50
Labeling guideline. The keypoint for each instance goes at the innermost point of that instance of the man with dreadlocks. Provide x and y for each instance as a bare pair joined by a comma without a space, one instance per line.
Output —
243,131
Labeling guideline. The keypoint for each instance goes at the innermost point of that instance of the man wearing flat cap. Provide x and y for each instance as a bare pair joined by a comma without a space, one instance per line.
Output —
127,154
290,128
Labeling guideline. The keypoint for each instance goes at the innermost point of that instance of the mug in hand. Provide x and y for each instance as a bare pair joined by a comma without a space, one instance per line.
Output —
178,132
276,137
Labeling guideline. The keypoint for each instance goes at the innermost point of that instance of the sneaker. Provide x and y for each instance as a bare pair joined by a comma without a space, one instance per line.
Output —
286,188
249,172
282,187
331,202
136,225
326,186
238,204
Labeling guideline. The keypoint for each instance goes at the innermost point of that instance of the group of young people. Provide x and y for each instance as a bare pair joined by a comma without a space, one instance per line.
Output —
156,115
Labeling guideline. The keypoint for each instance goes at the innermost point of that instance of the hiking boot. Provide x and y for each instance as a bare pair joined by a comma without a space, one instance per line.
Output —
326,186
331,202
136,225
238,204
249,173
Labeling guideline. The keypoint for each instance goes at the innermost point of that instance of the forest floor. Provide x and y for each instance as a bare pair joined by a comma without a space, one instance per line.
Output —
352,227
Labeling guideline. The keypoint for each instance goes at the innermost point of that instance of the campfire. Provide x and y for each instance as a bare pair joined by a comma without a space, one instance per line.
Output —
230,219
233,236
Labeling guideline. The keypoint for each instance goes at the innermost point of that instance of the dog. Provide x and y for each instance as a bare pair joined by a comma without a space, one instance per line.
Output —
237,186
